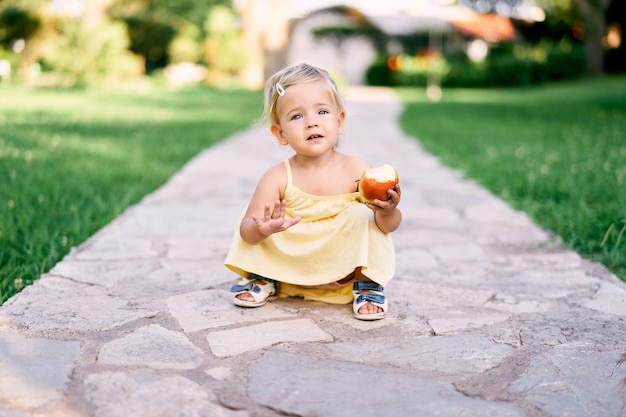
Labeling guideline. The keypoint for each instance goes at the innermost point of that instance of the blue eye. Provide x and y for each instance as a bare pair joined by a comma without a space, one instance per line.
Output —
323,112
296,117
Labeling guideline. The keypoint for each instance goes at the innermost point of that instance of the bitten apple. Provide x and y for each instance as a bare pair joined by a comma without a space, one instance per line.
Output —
375,182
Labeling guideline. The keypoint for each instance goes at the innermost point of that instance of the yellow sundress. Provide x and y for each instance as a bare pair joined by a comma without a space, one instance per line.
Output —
336,235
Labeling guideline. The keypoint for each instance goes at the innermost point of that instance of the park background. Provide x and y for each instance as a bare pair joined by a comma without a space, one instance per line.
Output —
101,101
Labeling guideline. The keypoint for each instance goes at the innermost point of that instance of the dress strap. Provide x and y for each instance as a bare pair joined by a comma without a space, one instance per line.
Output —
288,169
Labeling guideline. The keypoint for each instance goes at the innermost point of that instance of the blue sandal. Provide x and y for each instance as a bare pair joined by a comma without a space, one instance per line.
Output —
262,293
374,295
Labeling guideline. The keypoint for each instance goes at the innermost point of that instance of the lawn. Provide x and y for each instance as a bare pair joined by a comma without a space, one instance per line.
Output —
557,152
72,161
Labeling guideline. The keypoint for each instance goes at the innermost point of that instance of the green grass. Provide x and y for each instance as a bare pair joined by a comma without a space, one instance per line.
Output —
70,162
557,152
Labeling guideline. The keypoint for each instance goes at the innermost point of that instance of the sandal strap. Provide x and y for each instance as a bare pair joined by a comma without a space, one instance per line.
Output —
259,293
256,277
250,287
366,286
374,298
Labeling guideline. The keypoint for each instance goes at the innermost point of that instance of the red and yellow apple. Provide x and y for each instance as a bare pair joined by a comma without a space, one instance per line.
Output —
375,182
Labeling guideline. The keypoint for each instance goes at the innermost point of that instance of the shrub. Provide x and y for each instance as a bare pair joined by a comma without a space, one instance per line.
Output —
465,73
566,64
379,72
224,52
507,69
91,55
186,46
506,65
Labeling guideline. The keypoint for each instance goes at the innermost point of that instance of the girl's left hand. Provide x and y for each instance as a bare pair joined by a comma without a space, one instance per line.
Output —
390,204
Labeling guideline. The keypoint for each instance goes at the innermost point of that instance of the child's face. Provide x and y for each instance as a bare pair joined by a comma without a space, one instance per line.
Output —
308,118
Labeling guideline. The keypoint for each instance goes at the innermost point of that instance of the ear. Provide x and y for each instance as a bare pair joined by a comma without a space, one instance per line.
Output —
277,131
340,120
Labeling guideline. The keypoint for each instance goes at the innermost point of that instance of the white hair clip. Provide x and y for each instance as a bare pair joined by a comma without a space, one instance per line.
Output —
280,90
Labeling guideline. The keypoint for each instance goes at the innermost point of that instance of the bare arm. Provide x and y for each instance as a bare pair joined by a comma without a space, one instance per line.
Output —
262,219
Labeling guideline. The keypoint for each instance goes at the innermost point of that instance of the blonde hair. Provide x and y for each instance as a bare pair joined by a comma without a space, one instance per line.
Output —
283,79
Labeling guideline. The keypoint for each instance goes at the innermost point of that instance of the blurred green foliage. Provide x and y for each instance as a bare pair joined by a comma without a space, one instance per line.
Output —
161,27
83,56
224,51
131,38
507,64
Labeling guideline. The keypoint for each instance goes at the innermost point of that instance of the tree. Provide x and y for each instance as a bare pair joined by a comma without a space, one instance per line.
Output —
83,55
223,47
23,33
593,14
154,25
586,21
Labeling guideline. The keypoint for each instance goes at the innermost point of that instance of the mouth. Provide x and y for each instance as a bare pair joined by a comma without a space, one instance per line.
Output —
313,137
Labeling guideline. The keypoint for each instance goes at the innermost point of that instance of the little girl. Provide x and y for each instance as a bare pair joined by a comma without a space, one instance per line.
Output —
306,231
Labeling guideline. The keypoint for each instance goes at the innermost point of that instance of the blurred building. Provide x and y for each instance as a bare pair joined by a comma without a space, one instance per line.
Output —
286,32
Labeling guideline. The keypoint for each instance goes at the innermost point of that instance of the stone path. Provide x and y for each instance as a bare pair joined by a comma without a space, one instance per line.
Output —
489,314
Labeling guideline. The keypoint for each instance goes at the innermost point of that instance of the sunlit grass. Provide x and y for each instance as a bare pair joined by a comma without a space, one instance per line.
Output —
72,161
556,151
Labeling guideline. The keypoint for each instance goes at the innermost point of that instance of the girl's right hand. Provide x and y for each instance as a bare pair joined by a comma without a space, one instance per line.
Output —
274,221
